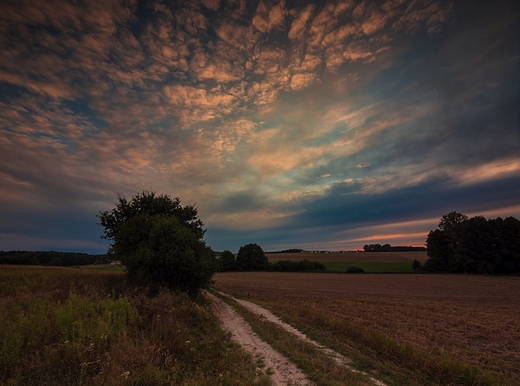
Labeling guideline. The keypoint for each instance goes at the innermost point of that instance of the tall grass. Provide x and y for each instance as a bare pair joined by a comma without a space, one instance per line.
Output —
70,326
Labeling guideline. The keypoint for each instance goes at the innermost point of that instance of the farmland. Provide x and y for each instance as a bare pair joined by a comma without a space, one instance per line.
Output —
371,262
373,257
411,328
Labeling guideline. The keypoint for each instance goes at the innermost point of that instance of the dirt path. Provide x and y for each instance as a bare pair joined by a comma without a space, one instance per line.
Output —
284,371
268,315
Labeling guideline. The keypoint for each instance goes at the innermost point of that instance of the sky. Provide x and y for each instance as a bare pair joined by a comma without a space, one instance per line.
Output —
322,125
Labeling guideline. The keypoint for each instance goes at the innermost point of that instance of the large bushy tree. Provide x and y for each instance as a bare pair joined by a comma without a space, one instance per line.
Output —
159,242
463,244
251,257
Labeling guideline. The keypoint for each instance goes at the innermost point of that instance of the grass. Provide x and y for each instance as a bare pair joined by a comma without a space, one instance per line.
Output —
105,267
319,368
368,267
80,326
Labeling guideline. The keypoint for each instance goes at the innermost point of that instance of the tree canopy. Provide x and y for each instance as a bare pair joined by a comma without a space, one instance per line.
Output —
251,257
159,242
151,204
227,261
474,245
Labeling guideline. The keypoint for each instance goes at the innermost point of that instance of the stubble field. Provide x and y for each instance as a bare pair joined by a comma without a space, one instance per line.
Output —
447,319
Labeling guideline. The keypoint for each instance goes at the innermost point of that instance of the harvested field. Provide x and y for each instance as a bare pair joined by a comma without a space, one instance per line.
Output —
472,319
373,257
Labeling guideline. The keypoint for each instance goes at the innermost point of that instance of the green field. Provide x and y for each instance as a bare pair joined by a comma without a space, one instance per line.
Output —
369,267
370,262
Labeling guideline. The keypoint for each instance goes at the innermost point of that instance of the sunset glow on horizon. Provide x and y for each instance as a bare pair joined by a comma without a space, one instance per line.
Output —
290,124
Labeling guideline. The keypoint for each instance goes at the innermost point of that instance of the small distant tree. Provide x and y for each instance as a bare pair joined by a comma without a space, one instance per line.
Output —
251,257
227,261
159,242
416,265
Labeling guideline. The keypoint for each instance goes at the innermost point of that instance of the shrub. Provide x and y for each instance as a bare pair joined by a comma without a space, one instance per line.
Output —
355,269
416,265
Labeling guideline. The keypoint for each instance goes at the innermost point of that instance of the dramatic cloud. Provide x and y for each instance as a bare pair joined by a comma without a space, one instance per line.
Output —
290,124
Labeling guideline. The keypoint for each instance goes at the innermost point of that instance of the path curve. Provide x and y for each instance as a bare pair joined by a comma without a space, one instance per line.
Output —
284,371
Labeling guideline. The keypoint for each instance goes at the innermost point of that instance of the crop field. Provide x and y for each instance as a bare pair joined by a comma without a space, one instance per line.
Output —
367,257
371,262
412,329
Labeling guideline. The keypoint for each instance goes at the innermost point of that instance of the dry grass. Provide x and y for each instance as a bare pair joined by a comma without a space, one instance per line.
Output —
66,326
472,320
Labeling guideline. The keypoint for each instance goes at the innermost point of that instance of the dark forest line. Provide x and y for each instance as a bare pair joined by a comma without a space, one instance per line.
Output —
51,258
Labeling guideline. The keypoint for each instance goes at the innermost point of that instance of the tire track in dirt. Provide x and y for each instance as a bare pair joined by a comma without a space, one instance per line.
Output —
269,316
284,371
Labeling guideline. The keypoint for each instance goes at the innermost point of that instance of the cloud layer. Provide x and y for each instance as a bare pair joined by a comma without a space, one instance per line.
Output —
286,123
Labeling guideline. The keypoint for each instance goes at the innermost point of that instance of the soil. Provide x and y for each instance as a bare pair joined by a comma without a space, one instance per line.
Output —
284,371
472,319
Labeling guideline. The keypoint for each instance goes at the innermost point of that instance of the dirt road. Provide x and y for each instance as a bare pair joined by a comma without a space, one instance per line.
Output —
285,372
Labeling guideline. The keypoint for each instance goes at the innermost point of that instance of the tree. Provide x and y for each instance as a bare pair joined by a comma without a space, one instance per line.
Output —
449,222
474,245
159,242
151,204
440,254
227,261
251,257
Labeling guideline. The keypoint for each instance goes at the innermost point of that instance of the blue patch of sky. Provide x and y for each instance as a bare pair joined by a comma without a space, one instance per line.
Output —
80,107
8,92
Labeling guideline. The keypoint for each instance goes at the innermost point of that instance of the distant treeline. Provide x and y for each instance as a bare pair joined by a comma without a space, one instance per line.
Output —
53,258
389,248
293,250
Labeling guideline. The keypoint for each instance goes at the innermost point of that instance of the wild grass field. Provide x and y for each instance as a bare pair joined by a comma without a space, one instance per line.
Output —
409,329
76,326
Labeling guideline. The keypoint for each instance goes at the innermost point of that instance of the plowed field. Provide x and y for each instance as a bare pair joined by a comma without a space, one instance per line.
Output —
473,319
